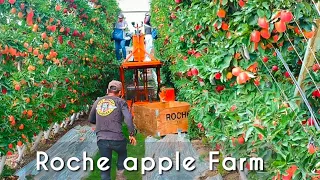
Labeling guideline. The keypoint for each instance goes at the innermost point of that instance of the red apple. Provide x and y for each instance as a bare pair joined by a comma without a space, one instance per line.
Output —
280,26
22,6
194,71
12,1
4,90
256,82
44,35
263,23
265,59
275,68
236,71
312,149
181,38
243,78
286,16
316,93
218,76
241,3
241,140
310,122
189,73
286,74
265,33
60,39
275,38
255,36
219,88
316,67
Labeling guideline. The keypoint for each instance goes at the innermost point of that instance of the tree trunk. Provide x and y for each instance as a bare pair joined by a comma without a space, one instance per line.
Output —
37,141
2,163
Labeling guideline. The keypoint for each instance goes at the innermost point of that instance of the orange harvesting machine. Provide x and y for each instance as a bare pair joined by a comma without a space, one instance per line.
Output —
156,118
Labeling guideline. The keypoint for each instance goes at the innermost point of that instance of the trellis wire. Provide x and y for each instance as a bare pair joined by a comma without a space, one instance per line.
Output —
300,29
285,96
299,88
316,7
302,63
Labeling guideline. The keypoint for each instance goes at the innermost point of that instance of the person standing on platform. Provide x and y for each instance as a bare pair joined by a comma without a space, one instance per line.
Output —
148,35
120,44
149,45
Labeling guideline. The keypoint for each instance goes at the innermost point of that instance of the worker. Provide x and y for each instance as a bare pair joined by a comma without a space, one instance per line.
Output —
148,35
107,114
120,44
149,45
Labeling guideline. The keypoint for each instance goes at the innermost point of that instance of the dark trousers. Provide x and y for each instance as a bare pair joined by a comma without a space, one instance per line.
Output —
106,147
120,45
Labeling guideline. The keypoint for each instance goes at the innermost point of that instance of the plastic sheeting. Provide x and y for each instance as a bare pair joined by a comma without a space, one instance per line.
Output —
167,147
76,141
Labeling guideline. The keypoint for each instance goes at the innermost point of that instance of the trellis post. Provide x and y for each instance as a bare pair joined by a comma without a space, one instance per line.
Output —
308,61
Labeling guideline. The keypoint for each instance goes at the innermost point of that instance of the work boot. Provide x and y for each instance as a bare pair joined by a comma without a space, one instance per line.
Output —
120,175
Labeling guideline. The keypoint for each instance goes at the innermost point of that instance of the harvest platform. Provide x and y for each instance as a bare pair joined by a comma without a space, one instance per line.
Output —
152,118
140,63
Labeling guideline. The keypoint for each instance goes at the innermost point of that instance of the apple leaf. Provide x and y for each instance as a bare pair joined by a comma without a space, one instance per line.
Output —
261,13
266,5
224,2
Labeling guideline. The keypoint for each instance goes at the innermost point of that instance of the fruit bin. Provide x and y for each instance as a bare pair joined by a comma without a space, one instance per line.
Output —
161,118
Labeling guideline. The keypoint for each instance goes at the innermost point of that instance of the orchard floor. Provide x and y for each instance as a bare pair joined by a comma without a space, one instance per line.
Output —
134,151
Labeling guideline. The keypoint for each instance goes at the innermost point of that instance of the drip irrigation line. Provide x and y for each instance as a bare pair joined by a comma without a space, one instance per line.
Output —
299,88
302,63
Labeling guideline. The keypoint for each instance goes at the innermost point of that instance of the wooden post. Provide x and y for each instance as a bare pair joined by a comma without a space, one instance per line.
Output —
309,57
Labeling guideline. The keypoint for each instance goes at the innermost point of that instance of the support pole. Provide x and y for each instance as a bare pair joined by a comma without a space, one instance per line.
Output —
158,80
122,79
145,84
314,44
136,85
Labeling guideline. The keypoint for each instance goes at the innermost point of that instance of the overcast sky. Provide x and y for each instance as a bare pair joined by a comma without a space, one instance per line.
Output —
134,5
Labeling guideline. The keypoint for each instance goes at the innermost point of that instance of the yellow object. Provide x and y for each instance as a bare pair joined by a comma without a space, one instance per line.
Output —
229,75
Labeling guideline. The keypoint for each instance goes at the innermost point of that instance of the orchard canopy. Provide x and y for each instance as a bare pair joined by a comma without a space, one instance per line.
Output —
55,57
221,56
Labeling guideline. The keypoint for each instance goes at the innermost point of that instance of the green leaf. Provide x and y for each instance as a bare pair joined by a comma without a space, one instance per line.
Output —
248,133
262,131
225,63
279,164
266,5
224,2
260,13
